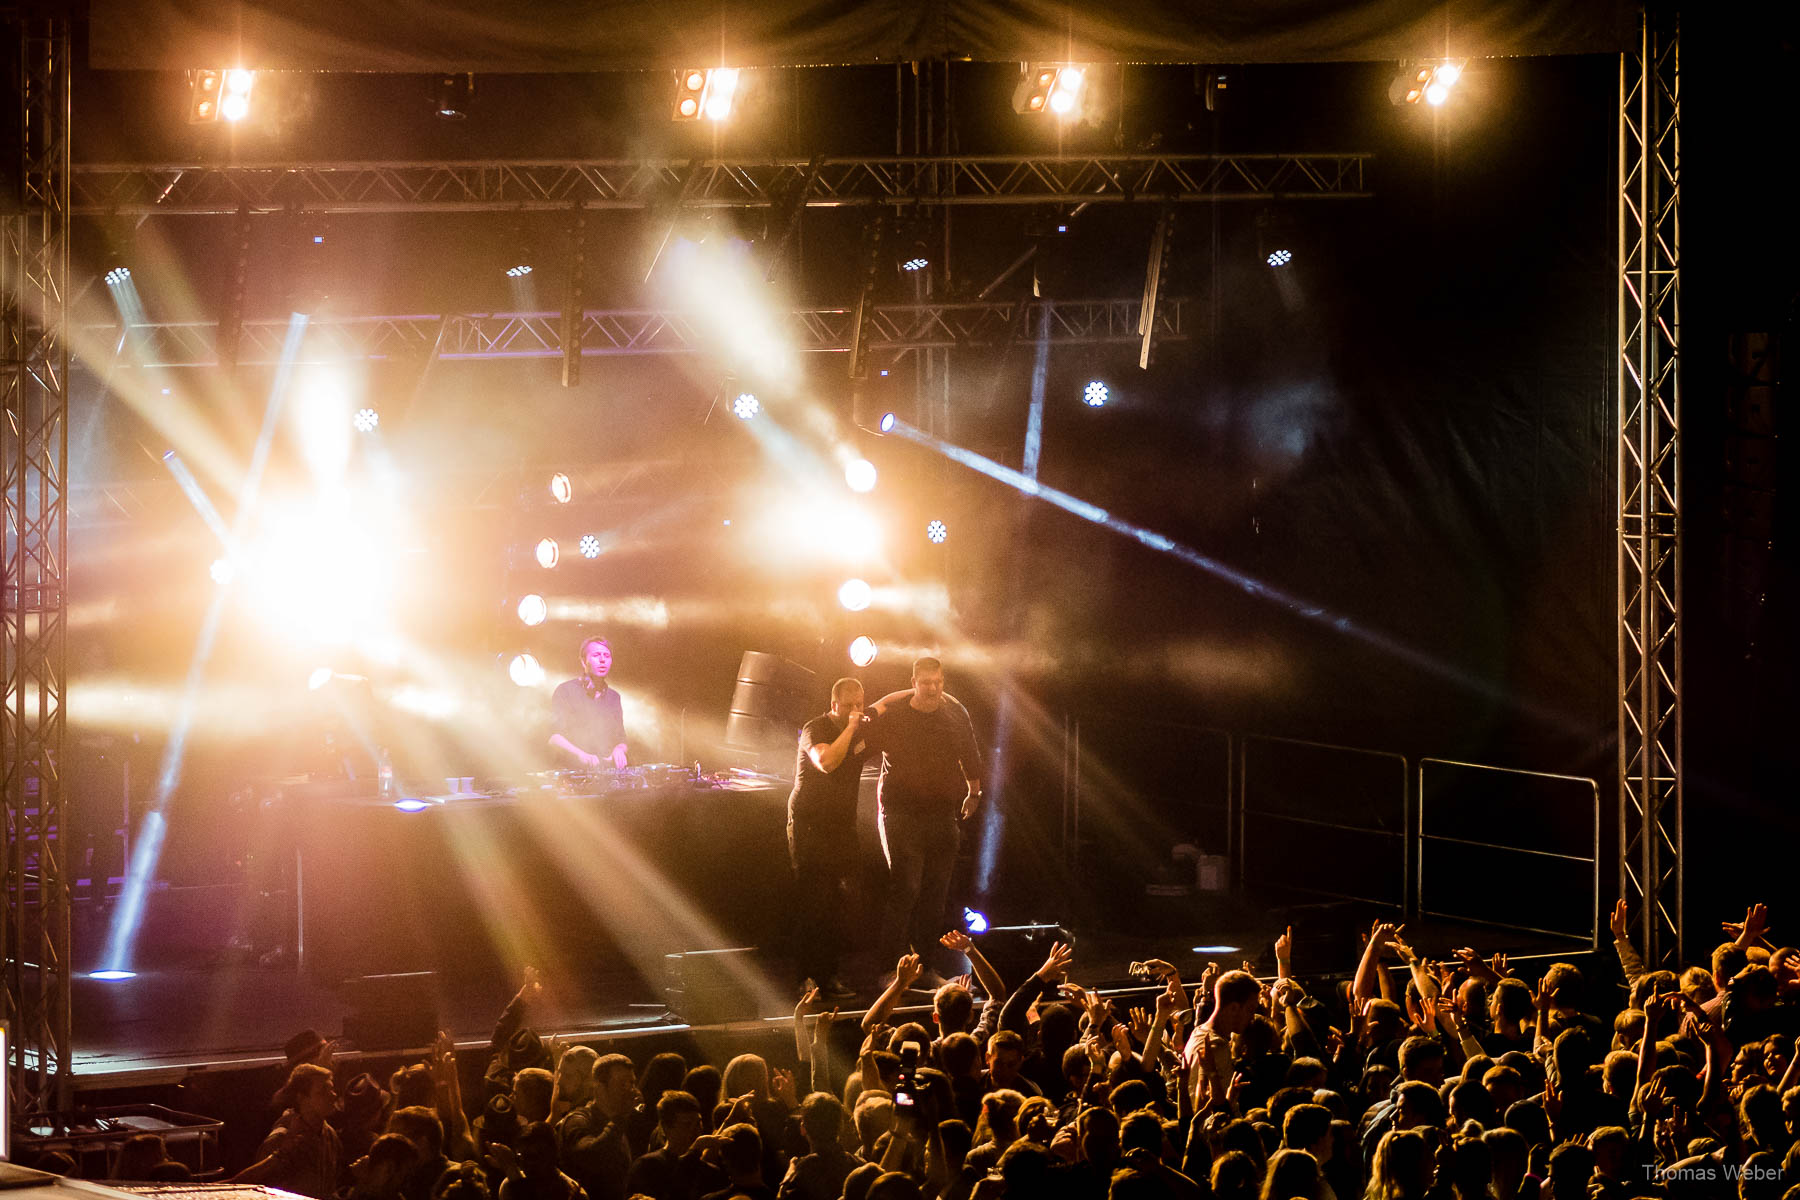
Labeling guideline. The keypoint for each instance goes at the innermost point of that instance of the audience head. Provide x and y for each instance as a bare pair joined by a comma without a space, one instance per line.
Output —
1235,996
308,1092
532,1089
615,1084
1403,1167
742,1151
704,1084
422,1129
679,1117
1292,1175
953,1009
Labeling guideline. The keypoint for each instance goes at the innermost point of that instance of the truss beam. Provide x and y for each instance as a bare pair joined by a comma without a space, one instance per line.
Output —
373,187
34,361
893,330
1649,432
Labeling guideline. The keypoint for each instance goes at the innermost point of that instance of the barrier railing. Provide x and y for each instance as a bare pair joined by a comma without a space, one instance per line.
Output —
1516,815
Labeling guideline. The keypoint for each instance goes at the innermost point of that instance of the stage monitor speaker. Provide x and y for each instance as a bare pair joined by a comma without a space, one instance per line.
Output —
1018,950
772,699
711,987
391,1012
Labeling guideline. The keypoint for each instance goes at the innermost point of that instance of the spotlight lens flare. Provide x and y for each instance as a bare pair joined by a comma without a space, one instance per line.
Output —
1448,74
561,489
318,679
112,976
239,80
975,921
411,805
222,571
547,553
1062,102
525,670
746,406
533,609
366,420
1095,394
1280,258
860,475
862,650
1436,94
590,546
936,532
887,422
855,595
235,107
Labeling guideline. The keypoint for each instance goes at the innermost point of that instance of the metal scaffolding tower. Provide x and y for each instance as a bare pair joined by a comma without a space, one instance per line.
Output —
34,371
1649,413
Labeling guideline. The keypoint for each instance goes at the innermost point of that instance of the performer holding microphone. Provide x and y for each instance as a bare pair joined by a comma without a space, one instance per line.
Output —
587,719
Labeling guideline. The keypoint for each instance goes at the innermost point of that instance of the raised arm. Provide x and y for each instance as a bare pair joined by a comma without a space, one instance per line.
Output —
989,979
1367,985
906,973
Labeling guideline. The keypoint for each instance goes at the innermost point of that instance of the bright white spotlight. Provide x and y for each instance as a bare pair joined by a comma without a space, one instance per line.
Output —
855,595
234,108
112,976
1448,74
533,609
590,546
936,532
1095,394
974,920
408,804
366,420
886,424
915,264
1280,258
561,490
525,670
860,475
318,679
548,552
117,276
239,80
1436,94
222,571
235,104
721,88
518,271
745,406
862,650
1215,950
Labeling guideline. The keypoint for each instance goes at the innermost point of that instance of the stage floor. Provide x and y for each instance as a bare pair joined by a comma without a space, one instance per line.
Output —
165,1025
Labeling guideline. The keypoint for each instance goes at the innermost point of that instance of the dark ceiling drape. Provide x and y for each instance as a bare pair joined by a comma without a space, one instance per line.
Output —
579,35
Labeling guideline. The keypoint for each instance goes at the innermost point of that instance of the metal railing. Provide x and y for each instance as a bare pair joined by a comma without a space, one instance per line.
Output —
1425,838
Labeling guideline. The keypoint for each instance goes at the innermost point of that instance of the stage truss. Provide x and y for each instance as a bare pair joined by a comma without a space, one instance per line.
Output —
1649,551
502,186
34,272
894,330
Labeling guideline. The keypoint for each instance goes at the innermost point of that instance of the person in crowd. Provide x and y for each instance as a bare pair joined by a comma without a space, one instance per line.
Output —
594,1147
302,1153
587,718
381,1171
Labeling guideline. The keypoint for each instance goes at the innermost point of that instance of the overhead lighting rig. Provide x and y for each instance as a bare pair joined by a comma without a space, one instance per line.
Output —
1050,87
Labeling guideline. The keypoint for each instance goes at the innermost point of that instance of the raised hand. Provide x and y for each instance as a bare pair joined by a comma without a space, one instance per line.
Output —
1140,1025
958,941
781,1082
1284,945
1620,921
1056,965
908,970
1498,964
809,1003
532,989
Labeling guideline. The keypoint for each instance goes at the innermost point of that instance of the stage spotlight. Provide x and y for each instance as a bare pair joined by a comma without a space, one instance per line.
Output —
1095,394
533,610
855,595
408,804
366,420
862,650
746,406
561,489
112,976
590,546
859,473
222,571
116,276
525,670
518,271
1280,258
974,920
689,91
915,257
886,424
1049,88
234,104
318,679
721,90
1216,950
936,532
1428,82
548,552
203,96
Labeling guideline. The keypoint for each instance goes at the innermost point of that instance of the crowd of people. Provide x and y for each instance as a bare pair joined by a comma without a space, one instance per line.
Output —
1412,1080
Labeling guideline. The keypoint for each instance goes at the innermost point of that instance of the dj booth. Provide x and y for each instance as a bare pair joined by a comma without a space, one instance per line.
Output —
579,874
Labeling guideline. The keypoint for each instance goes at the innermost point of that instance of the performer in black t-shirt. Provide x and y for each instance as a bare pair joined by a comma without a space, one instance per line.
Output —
822,833
930,779
587,721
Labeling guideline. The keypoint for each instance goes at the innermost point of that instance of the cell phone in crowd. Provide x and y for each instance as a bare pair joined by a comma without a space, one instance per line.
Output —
906,1089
